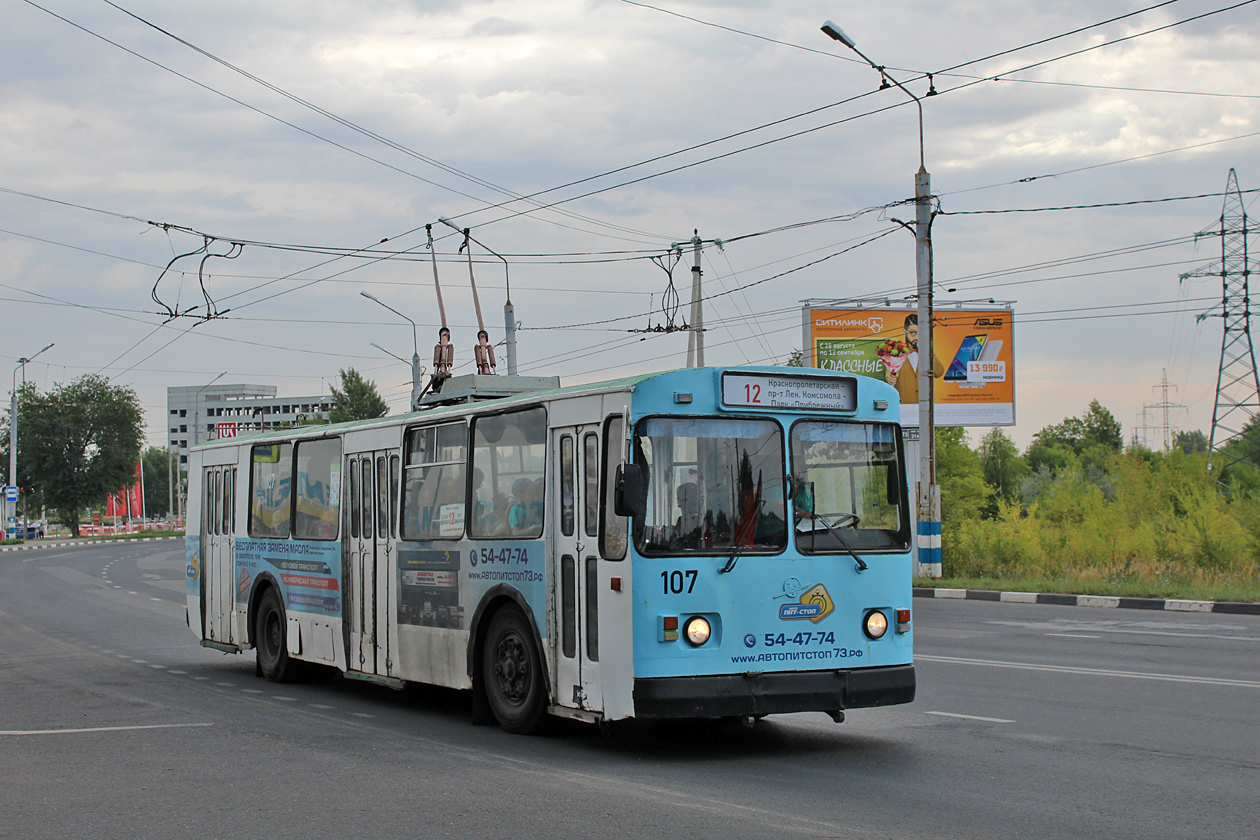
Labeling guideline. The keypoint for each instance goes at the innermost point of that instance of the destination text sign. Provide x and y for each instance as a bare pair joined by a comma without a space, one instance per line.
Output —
811,393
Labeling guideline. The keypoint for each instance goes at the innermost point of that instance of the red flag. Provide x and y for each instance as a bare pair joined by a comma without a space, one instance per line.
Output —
135,498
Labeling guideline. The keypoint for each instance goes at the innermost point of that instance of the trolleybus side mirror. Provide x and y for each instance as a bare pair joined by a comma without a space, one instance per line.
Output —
628,498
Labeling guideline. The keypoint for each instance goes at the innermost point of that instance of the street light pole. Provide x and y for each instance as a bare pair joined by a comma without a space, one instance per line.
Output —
929,494
416,370
13,437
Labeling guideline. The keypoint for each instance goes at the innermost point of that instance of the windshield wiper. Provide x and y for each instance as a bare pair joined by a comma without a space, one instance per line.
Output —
861,564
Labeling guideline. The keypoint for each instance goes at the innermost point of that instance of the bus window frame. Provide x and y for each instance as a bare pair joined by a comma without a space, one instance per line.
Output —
294,493
249,528
744,551
606,485
473,420
899,442
404,467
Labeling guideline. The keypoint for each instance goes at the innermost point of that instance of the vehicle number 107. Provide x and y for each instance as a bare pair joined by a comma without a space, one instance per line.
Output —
677,582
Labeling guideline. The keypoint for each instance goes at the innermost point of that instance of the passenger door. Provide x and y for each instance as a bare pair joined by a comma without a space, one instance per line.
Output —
575,569
218,521
372,511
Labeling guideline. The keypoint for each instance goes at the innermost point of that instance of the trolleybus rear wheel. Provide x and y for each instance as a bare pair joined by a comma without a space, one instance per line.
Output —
512,673
270,639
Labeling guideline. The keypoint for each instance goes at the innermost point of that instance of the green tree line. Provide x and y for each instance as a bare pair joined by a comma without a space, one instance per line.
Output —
1077,504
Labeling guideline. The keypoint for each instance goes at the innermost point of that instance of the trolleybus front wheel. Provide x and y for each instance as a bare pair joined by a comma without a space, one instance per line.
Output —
512,673
270,639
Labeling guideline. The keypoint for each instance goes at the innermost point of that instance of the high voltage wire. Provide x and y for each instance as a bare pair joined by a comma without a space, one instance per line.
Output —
292,125
747,148
866,113
359,129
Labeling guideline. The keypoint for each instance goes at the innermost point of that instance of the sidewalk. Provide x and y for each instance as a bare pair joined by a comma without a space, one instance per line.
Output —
1106,601
63,542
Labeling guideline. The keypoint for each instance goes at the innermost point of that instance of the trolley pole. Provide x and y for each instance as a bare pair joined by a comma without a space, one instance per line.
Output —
928,494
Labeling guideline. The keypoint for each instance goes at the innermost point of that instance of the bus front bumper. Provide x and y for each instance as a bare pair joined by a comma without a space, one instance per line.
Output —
772,693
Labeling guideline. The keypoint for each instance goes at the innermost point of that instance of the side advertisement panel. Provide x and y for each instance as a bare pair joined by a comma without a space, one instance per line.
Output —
974,365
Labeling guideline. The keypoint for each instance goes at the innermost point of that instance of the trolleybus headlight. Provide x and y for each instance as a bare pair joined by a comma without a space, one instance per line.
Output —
697,631
876,624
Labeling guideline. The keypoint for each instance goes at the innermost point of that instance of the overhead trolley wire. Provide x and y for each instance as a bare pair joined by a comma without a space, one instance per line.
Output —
294,126
360,129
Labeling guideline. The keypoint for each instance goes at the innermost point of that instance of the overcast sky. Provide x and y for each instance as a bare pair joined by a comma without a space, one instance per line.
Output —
466,102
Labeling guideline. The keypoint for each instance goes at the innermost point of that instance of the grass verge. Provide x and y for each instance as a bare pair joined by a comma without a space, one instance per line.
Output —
1128,589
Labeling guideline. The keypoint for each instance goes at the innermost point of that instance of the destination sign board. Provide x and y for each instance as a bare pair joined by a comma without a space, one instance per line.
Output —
811,393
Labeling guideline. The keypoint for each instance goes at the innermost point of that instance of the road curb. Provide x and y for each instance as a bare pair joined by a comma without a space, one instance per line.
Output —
73,543
1104,601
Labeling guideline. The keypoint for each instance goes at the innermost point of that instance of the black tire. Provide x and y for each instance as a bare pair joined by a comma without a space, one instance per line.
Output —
271,639
512,673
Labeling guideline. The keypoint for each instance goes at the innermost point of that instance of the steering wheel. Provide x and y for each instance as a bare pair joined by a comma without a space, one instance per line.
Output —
844,520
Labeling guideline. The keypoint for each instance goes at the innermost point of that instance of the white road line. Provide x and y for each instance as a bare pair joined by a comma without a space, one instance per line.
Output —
99,729
1093,672
969,717
1071,635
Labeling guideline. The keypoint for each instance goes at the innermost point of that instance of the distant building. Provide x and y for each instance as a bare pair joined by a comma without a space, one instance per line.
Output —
197,414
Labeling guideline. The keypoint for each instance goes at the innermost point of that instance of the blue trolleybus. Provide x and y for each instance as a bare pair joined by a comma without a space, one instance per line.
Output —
707,542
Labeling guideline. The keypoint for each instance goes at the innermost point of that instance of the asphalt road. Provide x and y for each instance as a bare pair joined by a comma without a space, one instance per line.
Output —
1031,721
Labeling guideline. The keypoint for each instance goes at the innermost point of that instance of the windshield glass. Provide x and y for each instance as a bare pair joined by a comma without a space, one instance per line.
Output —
713,484
849,476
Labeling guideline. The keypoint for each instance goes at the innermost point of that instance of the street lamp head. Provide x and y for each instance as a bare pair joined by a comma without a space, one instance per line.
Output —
369,296
836,33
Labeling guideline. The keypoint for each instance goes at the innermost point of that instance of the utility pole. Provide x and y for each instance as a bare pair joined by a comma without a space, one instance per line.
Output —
1237,385
11,512
695,337
928,524
416,370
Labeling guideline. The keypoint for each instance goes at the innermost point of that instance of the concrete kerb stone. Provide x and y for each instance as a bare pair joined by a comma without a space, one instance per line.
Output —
1096,601
72,543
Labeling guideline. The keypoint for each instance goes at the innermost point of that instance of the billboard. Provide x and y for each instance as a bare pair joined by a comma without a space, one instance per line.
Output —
974,348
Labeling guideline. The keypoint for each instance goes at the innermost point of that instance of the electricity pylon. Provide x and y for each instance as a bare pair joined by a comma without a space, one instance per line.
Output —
1237,386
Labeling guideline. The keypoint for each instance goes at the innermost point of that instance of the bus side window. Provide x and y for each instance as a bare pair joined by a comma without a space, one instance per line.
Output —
227,502
590,487
271,486
612,536
353,498
393,495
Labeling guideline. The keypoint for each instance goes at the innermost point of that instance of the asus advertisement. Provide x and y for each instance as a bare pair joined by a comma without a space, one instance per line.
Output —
973,371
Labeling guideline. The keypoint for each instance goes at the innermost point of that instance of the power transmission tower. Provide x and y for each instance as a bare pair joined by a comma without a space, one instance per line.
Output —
1237,386
1142,427
1165,405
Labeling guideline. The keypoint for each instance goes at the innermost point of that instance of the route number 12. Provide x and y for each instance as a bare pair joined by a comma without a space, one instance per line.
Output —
752,393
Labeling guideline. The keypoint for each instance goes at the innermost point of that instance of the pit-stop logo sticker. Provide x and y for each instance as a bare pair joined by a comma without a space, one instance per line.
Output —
815,605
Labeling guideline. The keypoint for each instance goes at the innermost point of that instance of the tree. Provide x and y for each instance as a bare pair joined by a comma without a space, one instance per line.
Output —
78,443
1003,467
795,359
1191,443
357,399
1102,428
961,479
157,481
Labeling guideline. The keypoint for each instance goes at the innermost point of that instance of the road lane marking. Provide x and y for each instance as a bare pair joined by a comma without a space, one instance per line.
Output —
99,729
1093,672
1071,635
969,717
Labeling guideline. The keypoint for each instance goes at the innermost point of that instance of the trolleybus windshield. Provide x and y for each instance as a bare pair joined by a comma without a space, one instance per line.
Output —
713,484
847,488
